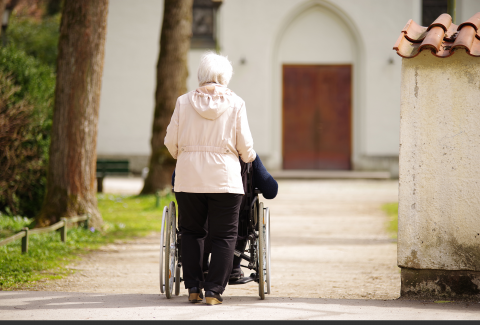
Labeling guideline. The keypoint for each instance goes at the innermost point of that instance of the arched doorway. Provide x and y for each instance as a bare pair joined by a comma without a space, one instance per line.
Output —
316,68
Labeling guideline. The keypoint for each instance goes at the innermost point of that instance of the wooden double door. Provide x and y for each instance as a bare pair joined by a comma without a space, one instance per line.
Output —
317,117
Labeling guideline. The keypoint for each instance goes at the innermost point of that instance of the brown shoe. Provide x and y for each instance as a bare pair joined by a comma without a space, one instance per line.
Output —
213,298
195,294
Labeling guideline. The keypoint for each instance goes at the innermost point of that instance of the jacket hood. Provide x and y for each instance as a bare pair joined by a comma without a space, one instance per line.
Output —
211,101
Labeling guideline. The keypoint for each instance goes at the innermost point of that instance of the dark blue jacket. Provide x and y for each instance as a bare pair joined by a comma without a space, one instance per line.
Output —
261,180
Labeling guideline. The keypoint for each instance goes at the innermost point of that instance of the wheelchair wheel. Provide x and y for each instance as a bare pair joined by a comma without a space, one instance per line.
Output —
255,215
267,242
162,247
170,250
177,280
261,252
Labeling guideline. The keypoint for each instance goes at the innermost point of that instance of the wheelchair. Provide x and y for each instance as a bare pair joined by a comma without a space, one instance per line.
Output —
254,232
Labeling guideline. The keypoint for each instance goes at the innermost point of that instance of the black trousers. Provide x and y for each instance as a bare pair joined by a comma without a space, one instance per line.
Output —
222,210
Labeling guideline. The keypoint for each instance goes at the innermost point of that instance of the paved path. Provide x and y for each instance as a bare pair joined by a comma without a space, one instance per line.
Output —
331,259
89,306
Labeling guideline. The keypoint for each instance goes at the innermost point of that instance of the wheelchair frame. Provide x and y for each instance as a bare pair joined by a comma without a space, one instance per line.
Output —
257,252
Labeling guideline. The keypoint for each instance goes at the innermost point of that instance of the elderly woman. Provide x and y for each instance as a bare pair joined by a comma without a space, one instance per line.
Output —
207,134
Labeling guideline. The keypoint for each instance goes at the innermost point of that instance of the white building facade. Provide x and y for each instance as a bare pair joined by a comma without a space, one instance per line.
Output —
262,39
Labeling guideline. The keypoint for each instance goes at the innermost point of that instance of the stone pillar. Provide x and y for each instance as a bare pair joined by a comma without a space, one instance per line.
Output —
439,177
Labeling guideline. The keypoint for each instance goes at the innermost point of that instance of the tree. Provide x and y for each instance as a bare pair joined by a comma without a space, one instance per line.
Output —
172,73
2,10
27,91
72,160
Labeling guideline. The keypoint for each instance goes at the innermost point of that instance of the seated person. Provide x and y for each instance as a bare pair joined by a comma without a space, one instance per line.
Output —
268,186
263,180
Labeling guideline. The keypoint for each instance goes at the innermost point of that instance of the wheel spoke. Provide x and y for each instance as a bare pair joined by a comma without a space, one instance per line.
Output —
170,246
162,248
268,249
261,251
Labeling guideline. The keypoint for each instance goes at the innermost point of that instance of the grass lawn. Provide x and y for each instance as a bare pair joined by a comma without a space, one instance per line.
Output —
392,211
125,217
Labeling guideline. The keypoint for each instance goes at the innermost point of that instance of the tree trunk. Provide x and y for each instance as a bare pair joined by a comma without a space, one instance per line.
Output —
71,176
2,10
172,73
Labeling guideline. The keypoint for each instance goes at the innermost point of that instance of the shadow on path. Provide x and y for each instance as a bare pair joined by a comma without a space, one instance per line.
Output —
58,305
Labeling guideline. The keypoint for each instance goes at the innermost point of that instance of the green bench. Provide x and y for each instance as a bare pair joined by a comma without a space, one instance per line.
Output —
107,167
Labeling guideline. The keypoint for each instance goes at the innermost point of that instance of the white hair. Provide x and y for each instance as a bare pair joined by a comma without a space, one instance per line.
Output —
214,68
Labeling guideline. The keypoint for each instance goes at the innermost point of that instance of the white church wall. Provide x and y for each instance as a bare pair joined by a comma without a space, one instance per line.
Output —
128,85
376,97
250,32
466,9
377,24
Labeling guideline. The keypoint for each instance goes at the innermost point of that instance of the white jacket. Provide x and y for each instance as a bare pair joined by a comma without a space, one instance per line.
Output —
207,133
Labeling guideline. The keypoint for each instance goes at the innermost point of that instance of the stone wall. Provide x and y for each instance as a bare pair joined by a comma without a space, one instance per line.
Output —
439,172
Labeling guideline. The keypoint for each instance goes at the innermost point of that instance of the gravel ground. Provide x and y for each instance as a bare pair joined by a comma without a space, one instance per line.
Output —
328,241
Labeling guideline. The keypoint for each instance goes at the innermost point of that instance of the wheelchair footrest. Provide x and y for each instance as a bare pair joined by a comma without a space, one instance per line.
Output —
243,280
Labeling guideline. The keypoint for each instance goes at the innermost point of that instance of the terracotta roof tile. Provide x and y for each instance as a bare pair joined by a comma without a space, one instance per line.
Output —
442,37
433,39
474,22
450,34
444,21
414,32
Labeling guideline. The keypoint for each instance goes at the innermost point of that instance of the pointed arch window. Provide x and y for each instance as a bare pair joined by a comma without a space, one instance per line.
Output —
431,9
204,23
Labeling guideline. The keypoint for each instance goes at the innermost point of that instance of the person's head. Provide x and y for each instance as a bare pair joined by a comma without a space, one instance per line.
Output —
214,68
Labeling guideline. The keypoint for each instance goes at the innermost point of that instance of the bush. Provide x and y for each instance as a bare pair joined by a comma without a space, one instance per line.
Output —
38,38
26,107
9,226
